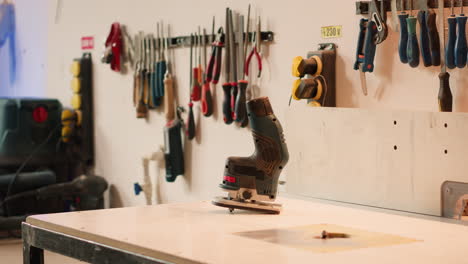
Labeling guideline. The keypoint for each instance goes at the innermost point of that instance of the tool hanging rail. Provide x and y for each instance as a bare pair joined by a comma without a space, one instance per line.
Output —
362,7
185,41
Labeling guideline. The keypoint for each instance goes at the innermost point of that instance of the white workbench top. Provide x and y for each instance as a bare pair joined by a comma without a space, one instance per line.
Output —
201,232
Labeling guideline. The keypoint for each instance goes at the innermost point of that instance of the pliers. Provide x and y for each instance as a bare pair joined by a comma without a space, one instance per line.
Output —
255,51
214,65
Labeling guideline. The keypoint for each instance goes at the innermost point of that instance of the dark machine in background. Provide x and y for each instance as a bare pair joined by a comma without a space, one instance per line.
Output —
47,152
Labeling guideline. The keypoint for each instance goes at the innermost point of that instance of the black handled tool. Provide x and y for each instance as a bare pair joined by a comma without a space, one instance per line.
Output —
434,41
452,36
424,33
227,112
445,94
190,125
460,42
402,44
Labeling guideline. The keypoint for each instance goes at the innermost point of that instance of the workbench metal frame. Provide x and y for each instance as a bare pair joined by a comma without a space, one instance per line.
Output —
36,240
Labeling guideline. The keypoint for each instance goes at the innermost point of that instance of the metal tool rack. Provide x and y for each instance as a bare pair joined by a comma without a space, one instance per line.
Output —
185,41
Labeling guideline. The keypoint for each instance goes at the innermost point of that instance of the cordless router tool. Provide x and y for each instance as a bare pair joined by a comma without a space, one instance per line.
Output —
251,182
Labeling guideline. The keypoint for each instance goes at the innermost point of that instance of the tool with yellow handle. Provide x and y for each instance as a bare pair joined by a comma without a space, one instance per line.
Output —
310,88
301,66
317,76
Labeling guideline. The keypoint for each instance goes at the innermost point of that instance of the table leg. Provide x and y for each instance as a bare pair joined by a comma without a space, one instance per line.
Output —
32,255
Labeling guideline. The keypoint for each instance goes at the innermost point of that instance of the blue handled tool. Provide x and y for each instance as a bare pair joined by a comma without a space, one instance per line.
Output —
460,42
424,34
412,48
452,36
403,34
373,31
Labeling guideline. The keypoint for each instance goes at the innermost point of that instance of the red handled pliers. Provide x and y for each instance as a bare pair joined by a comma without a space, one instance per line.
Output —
255,51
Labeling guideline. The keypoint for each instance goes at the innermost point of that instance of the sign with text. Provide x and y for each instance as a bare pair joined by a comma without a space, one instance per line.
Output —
331,32
87,43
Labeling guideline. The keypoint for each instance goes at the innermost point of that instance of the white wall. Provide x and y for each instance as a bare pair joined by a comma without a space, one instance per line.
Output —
31,47
121,139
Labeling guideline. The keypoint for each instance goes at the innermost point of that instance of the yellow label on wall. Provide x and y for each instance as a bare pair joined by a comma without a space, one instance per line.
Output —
331,32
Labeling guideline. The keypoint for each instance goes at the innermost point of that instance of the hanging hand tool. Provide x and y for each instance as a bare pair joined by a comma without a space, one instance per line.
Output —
213,71
207,100
240,107
169,103
429,37
151,72
234,88
190,126
452,37
445,94
227,112
146,77
196,89
240,111
255,51
460,43
136,78
160,69
434,41
412,50
424,34
403,34
142,109
155,83
373,31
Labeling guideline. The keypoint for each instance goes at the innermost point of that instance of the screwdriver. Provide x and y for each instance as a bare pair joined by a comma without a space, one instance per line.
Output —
402,45
240,106
460,43
162,68
445,94
227,112
434,41
424,36
234,88
190,126
196,88
452,36
412,49
168,84
206,100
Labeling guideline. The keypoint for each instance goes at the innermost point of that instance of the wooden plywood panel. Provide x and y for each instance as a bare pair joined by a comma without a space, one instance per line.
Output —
390,159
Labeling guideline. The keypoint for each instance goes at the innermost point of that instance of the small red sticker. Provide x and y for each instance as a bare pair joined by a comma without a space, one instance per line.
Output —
87,43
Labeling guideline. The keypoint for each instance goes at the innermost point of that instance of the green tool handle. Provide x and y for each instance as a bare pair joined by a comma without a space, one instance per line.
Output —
412,49
445,95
